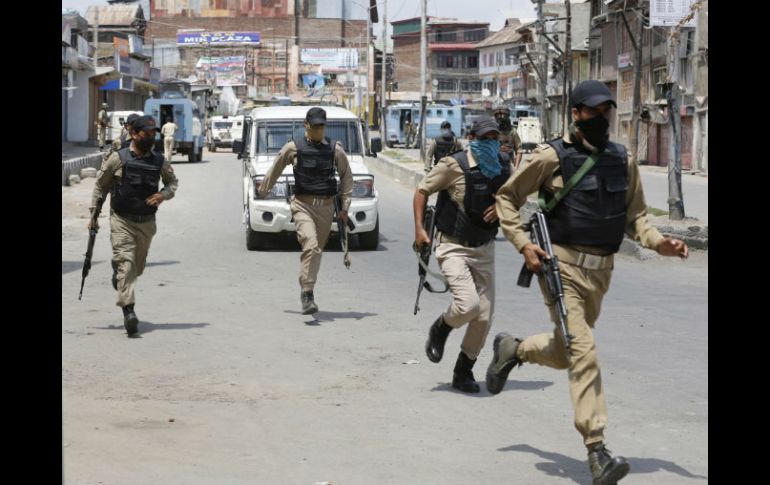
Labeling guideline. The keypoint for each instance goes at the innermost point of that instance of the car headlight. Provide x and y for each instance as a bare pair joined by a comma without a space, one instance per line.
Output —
278,191
363,188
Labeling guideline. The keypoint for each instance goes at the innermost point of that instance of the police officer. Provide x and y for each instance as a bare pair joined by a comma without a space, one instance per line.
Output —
125,139
441,146
586,229
314,158
131,177
102,122
168,131
510,142
466,224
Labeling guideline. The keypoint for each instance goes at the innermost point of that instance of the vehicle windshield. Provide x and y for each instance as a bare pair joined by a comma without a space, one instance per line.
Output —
273,135
222,124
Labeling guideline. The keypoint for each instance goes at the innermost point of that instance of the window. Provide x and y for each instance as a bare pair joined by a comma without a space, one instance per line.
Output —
265,59
280,59
450,112
474,36
273,135
439,112
508,60
223,124
445,60
445,36
471,62
447,85
499,58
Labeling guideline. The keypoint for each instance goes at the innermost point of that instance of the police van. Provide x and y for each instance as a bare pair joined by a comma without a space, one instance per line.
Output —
265,132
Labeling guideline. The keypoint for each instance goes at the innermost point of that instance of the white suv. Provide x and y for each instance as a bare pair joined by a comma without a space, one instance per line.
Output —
267,131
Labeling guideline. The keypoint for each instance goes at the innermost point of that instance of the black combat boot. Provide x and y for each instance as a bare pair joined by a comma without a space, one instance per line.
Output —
463,379
434,347
130,321
605,469
308,303
503,360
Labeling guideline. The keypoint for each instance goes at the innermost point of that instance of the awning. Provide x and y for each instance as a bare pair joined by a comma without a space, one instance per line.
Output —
113,85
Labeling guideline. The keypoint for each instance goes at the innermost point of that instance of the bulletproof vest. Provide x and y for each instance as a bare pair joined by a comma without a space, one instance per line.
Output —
444,147
314,170
594,212
139,181
479,190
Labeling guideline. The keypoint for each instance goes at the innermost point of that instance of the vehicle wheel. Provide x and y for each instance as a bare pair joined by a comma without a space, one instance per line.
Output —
254,239
370,240
389,144
191,156
212,148
200,155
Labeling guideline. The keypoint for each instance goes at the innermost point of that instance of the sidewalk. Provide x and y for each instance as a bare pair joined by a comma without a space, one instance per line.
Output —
694,232
75,156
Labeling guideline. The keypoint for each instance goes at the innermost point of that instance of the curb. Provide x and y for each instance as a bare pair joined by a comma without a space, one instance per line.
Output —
396,170
73,166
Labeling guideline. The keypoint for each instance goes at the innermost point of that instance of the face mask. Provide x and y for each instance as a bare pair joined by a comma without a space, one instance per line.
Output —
144,143
504,122
316,133
486,152
595,131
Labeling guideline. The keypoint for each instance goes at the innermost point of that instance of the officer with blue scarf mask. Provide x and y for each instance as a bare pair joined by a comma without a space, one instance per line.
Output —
466,222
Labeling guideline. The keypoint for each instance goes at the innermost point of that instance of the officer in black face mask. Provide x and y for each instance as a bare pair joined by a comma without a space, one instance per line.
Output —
131,176
586,225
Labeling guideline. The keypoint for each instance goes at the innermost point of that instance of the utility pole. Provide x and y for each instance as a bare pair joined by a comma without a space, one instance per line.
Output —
383,101
368,43
543,74
96,41
423,97
567,116
673,98
286,67
636,42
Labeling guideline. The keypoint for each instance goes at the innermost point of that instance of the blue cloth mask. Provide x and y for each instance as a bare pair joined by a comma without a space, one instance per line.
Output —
486,154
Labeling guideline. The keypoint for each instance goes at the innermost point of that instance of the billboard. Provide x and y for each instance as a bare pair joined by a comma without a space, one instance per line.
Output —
225,71
668,13
331,60
122,61
212,38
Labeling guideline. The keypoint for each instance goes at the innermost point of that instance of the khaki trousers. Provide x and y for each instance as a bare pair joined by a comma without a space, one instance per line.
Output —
313,217
130,245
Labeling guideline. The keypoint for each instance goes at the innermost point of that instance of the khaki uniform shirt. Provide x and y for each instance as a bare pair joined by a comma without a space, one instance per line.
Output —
512,139
543,170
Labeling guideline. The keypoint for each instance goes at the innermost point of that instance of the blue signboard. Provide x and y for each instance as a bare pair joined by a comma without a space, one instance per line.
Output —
195,38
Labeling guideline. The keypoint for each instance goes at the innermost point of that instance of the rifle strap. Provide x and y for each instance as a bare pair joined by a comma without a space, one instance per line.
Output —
436,275
571,183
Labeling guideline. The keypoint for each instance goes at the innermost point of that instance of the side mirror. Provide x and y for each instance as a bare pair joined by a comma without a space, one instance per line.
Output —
376,144
238,146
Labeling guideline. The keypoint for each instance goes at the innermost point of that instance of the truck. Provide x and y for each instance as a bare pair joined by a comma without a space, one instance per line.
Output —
175,105
531,133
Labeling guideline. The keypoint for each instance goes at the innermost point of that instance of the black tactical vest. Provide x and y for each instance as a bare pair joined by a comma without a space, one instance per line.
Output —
444,147
314,170
470,225
594,212
140,180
